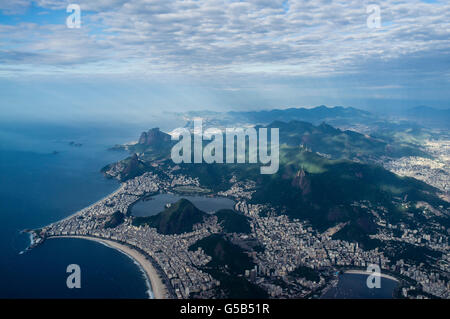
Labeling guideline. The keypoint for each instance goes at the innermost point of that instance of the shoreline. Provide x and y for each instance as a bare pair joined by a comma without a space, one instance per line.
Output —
121,185
157,287
333,284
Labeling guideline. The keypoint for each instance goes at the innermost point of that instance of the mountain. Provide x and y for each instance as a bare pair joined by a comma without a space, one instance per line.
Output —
114,220
233,222
337,115
151,146
154,140
316,182
228,265
401,127
330,183
224,254
154,137
330,192
338,144
178,218
334,192
126,169
314,115
324,139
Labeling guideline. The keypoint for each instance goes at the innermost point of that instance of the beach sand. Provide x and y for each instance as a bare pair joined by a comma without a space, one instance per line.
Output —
158,288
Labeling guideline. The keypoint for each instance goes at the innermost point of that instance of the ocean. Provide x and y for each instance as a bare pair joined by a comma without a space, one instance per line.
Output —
354,286
44,178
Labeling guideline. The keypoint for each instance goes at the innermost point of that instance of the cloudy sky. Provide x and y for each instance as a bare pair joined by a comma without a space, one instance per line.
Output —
142,56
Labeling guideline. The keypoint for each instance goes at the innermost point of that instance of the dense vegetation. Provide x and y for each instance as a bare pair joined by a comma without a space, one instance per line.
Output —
312,187
233,222
115,220
179,218
228,265
340,144
225,255
307,273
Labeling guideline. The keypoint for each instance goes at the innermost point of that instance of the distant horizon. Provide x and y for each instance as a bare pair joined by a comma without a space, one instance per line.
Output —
167,117
130,61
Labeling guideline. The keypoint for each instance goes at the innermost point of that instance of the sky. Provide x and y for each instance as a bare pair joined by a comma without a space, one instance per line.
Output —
134,59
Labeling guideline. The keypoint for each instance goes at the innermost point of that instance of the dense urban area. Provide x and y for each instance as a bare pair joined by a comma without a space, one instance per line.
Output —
287,243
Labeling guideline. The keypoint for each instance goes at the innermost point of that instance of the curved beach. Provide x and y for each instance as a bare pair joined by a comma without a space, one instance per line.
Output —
158,288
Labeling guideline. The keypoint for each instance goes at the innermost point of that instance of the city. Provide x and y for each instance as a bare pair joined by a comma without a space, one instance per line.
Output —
287,243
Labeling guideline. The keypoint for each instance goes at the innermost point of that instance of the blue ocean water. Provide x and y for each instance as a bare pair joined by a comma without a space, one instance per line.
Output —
354,286
43,179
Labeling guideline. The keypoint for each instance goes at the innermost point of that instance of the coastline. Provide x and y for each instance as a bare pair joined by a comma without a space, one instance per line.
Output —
121,185
334,283
158,289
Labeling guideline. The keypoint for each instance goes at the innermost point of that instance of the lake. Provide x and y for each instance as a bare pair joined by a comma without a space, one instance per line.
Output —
155,204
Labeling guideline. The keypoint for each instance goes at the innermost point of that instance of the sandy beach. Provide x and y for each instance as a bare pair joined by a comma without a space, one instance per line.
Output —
158,288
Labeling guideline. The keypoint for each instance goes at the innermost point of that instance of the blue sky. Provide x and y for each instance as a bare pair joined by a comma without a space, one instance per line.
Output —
132,59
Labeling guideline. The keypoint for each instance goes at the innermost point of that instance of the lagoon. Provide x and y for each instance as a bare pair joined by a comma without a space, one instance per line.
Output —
153,205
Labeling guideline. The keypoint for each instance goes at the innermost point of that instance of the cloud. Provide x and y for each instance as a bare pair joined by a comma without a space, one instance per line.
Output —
14,7
282,37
